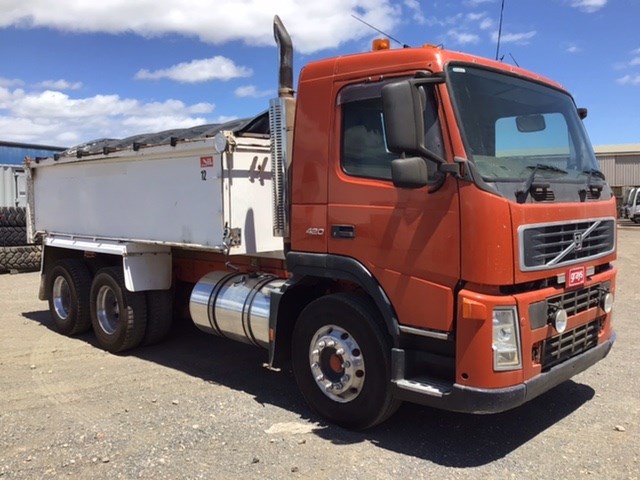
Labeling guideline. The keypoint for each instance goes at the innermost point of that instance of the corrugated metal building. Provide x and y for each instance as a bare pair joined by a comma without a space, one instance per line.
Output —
12,175
12,153
621,166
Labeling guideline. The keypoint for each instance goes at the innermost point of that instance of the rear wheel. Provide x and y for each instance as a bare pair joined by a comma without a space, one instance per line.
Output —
341,361
159,315
68,285
119,317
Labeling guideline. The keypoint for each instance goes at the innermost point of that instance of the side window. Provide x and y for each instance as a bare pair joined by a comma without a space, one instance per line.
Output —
364,149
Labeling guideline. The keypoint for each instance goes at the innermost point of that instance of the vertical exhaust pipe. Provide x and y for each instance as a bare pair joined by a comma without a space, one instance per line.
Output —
285,76
281,121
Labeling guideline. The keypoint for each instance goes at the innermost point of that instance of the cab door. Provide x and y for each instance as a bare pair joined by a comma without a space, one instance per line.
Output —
409,239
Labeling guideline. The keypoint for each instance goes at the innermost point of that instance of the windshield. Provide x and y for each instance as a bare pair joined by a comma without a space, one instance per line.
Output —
512,126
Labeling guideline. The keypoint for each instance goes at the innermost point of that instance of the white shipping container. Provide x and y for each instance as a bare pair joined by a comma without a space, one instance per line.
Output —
13,186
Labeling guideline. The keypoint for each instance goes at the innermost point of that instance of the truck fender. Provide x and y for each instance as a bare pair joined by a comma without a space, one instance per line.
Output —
296,293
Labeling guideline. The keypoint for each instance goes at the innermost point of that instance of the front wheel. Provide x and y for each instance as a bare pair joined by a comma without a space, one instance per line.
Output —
341,361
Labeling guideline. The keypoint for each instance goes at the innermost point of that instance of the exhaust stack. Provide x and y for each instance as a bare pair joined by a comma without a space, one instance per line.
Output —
281,117
285,76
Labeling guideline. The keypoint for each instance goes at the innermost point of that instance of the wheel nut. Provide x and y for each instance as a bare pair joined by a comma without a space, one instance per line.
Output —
345,378
340,351
320,378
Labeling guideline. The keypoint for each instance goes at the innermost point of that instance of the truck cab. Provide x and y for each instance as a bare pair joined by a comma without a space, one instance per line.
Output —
469,191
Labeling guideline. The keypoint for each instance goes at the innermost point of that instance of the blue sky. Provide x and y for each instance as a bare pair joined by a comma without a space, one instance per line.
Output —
75,70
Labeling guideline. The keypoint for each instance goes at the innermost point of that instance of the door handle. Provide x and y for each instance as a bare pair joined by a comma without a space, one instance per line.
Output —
343,231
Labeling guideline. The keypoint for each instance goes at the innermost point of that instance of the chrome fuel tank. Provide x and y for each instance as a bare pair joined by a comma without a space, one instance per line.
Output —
234,305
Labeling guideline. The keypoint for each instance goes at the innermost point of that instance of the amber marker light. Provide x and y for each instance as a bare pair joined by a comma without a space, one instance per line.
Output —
381,44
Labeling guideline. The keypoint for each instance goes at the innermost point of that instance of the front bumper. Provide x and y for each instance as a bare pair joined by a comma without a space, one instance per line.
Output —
461,398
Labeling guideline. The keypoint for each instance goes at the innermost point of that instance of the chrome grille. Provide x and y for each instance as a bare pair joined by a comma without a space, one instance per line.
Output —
551,245
557,349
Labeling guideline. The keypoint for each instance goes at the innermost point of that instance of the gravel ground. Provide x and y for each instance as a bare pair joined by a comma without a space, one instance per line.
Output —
198,406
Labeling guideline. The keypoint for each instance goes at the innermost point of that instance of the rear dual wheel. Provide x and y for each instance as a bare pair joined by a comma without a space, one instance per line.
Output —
68,286
118,316
341,360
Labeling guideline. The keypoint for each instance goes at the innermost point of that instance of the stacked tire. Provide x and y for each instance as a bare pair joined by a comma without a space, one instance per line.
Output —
15,254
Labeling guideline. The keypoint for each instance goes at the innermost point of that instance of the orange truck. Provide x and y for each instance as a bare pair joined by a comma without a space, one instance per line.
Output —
412,225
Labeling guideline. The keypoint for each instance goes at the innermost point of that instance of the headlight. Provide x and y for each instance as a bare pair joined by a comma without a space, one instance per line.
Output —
506,339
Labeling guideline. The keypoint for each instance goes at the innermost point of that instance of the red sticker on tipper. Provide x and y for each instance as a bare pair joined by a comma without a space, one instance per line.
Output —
206,162
575,277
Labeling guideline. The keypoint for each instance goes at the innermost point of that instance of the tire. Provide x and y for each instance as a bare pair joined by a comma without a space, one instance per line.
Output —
13,217
20,259
118,316
13,236
341,358
68,289
159,316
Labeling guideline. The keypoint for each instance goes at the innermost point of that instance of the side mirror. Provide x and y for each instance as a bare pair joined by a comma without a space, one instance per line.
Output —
409,172
582,113
403,118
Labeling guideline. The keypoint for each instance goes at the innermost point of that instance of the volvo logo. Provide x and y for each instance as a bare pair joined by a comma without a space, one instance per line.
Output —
577,241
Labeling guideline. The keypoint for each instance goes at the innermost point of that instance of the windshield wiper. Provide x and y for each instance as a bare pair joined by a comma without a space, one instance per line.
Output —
522,194
593,172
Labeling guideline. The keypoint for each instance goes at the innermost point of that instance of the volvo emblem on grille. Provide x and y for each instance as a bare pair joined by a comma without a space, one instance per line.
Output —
577,241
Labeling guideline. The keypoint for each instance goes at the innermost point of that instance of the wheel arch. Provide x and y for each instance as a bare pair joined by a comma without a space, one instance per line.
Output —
312,277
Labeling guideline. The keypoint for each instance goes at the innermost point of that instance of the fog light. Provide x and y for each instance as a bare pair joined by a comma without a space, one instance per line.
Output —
559,320
606,302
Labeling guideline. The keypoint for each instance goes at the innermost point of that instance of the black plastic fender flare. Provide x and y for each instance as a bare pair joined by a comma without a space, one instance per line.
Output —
327,266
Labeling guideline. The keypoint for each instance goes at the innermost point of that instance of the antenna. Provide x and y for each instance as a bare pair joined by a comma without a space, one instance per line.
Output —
404,45
514,60
500,30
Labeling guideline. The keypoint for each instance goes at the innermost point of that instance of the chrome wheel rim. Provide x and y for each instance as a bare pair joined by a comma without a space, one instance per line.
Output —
108,309
337,363
61,297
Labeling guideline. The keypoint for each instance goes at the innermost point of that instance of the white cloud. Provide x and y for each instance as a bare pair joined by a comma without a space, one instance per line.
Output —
519,38
589,6
196,71
573,49
634,61
414,7
629,80
252,91
462,38
10,82
59,85
486,24
53,117
313,25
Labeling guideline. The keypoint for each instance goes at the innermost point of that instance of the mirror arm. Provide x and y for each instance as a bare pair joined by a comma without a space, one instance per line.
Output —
425,152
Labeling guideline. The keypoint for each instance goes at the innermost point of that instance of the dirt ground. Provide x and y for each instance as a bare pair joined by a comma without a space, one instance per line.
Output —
198,406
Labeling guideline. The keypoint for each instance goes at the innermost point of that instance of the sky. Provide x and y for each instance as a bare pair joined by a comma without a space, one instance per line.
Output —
77,70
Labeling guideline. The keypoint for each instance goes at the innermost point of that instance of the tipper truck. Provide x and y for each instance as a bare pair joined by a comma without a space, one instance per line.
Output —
412,224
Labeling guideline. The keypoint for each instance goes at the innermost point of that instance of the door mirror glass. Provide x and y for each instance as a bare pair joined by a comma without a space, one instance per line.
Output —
403,123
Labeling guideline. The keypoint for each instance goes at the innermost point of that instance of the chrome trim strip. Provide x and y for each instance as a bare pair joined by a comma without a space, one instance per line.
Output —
424,333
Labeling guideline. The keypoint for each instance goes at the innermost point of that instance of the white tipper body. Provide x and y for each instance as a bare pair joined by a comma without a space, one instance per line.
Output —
143,203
